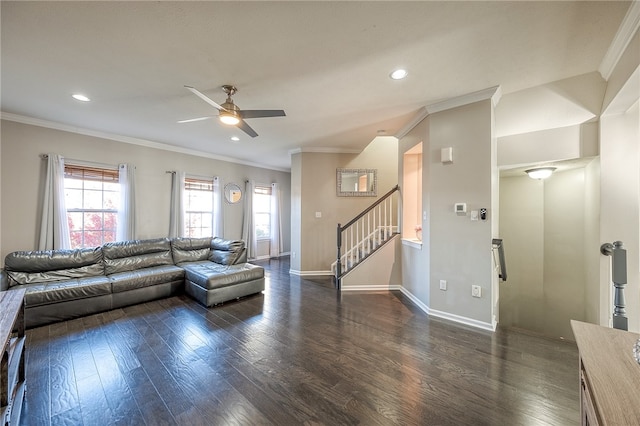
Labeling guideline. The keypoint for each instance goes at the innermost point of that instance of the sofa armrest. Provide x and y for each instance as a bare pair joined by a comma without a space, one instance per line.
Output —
242,258
4,280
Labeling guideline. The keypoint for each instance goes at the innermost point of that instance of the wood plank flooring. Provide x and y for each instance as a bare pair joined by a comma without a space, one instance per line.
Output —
297,354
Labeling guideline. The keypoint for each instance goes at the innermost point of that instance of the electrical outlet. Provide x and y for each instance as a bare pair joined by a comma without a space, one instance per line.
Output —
443,285
476,291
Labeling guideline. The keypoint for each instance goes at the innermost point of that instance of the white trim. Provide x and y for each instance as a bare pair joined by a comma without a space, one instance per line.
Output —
420,115
415,300
412,243
626,31
494,93
445,315
463,320
431,312
324,150
310,273
126,139
380,287
469,98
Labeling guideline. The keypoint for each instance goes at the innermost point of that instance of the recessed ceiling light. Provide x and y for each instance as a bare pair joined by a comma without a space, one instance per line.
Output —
235,138
398,74
80,97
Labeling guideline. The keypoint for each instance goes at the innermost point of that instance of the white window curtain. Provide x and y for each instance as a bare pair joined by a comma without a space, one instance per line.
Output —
218,224
176,216
248,230
54,228
276,222
126,229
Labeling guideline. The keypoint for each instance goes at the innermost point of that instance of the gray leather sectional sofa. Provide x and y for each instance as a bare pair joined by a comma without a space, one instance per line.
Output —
65,284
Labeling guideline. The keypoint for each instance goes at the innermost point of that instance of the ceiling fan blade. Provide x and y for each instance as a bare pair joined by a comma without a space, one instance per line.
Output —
191,120
259,113
247,129
204,98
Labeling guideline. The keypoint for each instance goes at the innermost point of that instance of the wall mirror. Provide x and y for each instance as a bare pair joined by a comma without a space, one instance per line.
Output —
356,182
232,193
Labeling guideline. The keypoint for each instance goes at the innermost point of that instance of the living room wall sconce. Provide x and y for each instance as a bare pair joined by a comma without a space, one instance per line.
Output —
540,172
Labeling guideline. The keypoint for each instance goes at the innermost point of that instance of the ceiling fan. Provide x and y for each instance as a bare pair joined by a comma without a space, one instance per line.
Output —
230,113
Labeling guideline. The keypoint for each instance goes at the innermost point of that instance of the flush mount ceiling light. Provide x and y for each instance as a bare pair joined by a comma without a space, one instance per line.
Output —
398,74
540,172
80,97
235,138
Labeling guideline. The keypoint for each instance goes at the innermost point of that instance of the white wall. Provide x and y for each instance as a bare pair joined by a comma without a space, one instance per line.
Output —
543,225
22,172
460,249
455,248
620,206
415,257
315,175
383,270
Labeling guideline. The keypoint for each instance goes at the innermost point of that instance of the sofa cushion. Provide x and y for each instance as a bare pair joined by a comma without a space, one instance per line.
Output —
190,249
123,256
209,275
62,291
226,252
26,267
146,277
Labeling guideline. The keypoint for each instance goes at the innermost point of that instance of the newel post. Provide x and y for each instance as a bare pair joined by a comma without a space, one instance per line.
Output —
619,276
339,263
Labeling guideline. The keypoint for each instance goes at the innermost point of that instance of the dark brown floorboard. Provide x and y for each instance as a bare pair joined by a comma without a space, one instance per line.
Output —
297,354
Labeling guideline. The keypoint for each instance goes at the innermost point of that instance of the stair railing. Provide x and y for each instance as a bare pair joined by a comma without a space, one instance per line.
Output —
366,233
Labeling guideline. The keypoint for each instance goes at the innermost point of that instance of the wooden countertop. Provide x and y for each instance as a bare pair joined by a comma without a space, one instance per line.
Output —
10,302
612,371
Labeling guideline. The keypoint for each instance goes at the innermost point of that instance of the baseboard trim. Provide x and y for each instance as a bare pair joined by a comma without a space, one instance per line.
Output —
310,273
380,287
463,320
446,315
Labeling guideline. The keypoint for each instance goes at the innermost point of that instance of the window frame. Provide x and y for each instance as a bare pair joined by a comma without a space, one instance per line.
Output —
206,185
85,174
259,190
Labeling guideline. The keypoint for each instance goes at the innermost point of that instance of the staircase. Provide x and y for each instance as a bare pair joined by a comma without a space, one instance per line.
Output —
366,233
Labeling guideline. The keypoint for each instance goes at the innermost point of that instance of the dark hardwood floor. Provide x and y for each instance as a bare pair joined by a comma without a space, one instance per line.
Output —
297,354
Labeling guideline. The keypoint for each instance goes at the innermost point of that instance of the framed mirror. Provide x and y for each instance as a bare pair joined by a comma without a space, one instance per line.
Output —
232,193
356,182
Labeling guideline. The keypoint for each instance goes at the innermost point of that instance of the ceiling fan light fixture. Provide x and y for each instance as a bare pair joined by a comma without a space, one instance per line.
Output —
540,172
229,117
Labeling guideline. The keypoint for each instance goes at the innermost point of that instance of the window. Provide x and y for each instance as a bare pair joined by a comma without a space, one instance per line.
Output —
262,211
198,207
92,197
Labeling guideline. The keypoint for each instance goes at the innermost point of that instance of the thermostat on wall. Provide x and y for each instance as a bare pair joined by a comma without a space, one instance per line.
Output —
460,207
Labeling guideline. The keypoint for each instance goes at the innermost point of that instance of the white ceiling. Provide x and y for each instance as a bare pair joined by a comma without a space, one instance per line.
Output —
325,63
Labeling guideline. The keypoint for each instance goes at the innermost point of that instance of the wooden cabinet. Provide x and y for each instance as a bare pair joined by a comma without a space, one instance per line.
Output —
609,375
12,374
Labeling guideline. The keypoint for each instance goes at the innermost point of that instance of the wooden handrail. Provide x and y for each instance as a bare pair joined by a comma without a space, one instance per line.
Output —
371,207
341,229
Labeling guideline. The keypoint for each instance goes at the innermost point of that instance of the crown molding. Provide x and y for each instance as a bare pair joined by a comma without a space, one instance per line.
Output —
494,93
126,139
626,31
420,115
324,150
